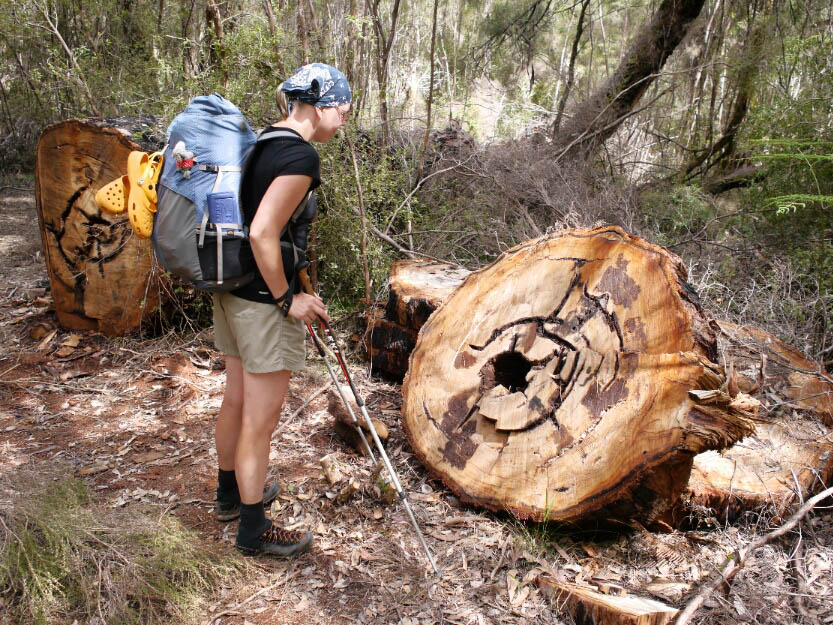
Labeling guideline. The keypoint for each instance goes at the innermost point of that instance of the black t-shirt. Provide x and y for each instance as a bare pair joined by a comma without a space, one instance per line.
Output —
282,156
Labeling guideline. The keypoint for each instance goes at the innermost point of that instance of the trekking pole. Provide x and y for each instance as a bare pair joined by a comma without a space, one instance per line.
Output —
360,402
358,427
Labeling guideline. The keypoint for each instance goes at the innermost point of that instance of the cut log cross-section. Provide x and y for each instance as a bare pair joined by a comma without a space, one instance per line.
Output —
555,382
98,269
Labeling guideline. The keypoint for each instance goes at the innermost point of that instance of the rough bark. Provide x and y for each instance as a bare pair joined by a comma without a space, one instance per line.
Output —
98,270
792,447
555,382
600,116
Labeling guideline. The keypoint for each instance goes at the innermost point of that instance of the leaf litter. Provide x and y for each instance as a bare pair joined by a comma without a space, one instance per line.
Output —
135,419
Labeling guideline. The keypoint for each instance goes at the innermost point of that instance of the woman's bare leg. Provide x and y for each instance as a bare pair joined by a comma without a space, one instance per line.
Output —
263,395
230,418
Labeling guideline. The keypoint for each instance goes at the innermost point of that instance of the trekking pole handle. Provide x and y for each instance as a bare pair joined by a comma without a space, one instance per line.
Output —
306,284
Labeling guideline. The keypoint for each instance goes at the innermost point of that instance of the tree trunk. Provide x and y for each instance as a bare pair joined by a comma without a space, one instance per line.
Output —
602,113
555,382
99,272
792,447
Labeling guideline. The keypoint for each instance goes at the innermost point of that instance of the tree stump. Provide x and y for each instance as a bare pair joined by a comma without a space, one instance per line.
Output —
98,270
555,382
415,289
790,453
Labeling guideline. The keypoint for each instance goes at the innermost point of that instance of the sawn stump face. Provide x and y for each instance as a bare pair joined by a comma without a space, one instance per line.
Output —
98,270
554,382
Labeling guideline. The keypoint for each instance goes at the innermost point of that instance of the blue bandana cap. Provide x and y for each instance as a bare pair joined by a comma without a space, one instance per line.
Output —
318,84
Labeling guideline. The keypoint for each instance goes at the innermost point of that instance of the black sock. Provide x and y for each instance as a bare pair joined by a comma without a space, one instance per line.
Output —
253,523
227,487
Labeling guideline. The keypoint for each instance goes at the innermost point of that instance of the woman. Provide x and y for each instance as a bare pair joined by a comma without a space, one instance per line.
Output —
260,327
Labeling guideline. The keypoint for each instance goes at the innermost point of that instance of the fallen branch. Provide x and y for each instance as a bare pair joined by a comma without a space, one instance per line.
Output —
735,561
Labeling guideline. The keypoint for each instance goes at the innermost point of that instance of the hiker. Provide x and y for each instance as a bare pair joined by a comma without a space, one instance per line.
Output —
260,326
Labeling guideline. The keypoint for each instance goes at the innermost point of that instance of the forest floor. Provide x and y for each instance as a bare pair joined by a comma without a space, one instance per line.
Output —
134,418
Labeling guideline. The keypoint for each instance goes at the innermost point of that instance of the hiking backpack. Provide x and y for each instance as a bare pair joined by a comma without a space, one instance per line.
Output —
199,232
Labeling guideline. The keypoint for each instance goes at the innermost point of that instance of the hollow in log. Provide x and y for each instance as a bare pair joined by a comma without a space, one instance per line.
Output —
98,270
555,382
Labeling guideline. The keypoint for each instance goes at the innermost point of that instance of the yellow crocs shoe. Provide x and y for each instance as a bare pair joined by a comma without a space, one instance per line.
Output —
139,207
112,197
150,177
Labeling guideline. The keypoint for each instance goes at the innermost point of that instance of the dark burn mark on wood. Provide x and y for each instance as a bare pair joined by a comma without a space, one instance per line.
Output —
460,448
71,203
536,405
457,412
636,329
100,242
597,400
616,281
391,346
540,321
459,428
464,360
415,315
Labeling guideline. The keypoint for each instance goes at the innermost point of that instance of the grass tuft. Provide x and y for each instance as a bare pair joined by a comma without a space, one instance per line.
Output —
67,557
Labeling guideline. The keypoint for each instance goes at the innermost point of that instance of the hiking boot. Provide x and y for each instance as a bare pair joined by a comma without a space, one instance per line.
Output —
276,541
226,511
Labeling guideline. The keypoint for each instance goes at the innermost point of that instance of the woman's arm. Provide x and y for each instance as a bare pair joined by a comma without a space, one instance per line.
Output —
273,213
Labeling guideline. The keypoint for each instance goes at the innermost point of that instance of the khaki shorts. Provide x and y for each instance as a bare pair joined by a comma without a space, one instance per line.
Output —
259,334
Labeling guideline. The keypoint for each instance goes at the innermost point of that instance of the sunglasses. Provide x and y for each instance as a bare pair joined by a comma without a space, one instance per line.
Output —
343,115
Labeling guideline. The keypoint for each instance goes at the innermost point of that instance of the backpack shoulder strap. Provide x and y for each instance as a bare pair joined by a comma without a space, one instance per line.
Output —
267,134
271,132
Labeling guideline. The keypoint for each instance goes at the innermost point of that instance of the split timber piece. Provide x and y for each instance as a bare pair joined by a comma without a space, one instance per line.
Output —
792,446
343,423
554,383
589,607
98,270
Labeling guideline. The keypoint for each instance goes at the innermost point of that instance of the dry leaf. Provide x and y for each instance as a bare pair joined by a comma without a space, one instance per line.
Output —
64,352
42,345
38,331
71,341
98,468
520,597
149,456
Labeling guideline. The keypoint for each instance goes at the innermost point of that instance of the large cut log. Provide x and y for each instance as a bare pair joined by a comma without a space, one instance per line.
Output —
415,289
98,270
790,455
555,382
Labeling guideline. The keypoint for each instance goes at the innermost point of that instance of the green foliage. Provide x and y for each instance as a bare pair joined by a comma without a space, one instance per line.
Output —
69,558
675,213
384,179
